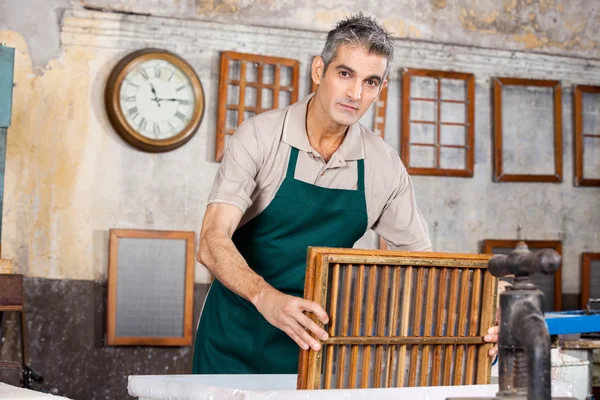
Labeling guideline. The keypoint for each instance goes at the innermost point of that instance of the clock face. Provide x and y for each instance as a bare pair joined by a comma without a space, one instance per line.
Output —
157,99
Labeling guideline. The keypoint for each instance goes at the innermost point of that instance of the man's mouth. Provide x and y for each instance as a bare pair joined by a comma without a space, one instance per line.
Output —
348,107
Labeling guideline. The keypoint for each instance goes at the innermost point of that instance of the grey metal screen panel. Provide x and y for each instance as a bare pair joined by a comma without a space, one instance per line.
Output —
151,287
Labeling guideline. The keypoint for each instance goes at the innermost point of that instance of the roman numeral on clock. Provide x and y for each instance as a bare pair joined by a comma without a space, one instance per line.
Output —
180,116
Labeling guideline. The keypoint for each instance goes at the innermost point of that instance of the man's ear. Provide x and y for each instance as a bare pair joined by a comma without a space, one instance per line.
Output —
317,69
383,86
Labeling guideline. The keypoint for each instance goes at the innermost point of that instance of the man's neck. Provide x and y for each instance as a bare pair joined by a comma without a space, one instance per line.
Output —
324,135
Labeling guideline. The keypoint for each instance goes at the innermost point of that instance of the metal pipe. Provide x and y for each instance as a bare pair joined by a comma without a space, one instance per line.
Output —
530,330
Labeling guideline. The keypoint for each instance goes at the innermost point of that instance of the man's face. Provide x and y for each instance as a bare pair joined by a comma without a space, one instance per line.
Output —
352,82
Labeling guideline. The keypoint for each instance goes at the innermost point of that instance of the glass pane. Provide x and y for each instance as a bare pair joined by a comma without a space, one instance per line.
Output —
451,134
590,104
285,76
231,121
451,158
528,130
423,87
267,99
591,158
233,95
251,72
248,115
250,98
423,111
595,282
234,70
423,133
454,89
422,157
454,112
284,98
268,74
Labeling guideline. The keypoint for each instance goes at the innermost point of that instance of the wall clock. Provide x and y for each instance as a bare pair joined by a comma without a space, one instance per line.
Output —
154,100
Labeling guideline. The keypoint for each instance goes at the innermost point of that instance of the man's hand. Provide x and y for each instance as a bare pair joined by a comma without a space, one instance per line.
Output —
492,337
286,313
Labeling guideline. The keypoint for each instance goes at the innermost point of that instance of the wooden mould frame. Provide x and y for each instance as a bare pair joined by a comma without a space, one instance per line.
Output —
469,124
378,113
490,244
259,85
499,175
586,276
113,260
579,134
324,273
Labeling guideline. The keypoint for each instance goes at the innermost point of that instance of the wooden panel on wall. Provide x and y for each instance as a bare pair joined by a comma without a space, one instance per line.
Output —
590,278
438,114
150,287
250,84
586,135
527,130
550,285
399,319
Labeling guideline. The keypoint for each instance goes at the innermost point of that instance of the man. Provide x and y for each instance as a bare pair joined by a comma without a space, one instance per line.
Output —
307,175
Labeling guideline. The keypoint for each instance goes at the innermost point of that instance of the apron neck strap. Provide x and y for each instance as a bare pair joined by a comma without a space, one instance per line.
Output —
361,174
291,169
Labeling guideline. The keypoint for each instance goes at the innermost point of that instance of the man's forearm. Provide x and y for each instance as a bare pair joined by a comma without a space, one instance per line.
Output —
219,254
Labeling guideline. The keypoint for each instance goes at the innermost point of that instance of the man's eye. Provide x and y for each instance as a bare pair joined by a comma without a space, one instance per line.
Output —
372,83
345,74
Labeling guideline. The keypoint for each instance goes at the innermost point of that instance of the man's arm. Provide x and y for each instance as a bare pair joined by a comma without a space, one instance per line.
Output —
219,254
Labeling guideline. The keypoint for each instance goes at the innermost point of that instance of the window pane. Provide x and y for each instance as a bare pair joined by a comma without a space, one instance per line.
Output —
591,112
454,89
451,134
422,133
451,158
422,157
423,111
591,158
251,72
528,130
423,87
453,112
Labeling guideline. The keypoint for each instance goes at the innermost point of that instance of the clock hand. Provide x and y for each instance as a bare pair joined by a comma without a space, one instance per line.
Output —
154,93
171,99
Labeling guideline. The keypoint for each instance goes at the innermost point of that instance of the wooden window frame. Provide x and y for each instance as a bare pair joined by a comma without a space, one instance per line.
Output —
499,175
578,134
586,275
556,245
469,123
224,82
111,316
470,345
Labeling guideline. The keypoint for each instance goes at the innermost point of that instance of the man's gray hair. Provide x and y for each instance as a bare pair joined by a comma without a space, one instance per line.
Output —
363,31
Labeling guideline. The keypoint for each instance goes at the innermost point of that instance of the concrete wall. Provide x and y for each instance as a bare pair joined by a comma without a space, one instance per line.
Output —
70,177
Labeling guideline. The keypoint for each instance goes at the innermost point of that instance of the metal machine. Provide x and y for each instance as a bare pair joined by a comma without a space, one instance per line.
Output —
524,341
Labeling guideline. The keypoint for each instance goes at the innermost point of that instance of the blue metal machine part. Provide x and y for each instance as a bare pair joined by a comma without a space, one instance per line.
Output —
570,322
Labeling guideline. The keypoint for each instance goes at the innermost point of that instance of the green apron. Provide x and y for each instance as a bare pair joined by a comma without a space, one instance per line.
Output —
233,337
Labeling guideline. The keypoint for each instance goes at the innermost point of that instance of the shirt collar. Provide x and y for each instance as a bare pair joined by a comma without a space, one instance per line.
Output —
295,134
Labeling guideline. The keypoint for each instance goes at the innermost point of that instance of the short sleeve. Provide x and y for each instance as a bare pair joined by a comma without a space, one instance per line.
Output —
401,223
236,178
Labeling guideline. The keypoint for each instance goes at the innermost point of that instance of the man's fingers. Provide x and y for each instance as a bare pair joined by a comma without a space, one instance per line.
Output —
491,338
291,333
304,336
493,351
315,309
311,326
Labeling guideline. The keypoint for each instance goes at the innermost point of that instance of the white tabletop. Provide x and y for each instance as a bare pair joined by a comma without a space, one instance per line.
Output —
17,393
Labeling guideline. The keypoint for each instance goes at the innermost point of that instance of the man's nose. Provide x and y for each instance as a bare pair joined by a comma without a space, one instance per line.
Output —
354,91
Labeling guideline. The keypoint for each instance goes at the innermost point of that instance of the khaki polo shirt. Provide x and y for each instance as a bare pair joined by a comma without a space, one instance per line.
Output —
256,158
